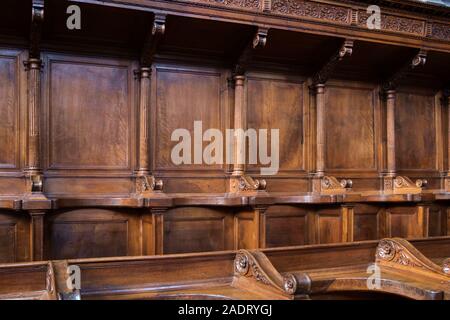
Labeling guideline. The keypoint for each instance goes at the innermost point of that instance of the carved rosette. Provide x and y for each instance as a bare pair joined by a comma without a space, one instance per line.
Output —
290,284
241,265
446,266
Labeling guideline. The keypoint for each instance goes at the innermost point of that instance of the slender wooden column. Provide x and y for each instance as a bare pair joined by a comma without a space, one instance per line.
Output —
33,169
37,235
239,123
446,106
144,75
320,129
390,126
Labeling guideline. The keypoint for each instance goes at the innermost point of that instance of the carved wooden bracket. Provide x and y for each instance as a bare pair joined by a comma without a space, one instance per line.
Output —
258,42
245,183
148,184
322,76
153,40
399,253
403,185
418,60
331,185
254,270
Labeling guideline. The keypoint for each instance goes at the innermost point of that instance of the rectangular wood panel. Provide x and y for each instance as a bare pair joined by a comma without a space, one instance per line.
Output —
350,128
9,108
90,233
286,226
182,97
366,223
89,108
415,132
14,237
328,226
278,104
405,222
197,230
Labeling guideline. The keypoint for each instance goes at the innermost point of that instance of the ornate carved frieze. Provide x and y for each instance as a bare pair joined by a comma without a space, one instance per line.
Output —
395,23
248,4
398,252
440,31
312,9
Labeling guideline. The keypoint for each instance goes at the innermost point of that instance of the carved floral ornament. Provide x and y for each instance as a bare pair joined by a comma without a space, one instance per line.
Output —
246,265
401,252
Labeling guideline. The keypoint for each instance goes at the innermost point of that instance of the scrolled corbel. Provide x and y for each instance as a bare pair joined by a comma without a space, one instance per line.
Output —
331,185
148,184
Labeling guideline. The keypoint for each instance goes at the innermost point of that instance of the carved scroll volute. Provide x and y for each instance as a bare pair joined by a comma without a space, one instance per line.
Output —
331,185
254,272
404,185
400,254
247,184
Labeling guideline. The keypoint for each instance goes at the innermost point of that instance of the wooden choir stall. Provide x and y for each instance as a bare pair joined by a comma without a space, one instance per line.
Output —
352,112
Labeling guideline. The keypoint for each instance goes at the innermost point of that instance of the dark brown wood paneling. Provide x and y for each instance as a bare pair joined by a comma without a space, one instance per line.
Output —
197,229
182,96
14,237
415,130
10,100
277,103
286,226
90,111
328,226
351,111
405,222
93,233
437,223
366,220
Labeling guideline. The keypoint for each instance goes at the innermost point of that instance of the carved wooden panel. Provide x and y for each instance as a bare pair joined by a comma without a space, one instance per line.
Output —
415,132
328,226
245,229
278,104
197,230
90,109
366,222
351,112
405,222
437,221
14,237
286,226
182,96
86,233
10,101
